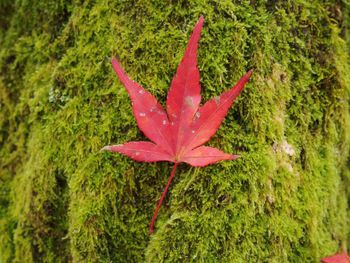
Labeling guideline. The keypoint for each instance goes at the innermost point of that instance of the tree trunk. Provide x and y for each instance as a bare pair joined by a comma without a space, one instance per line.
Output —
61,199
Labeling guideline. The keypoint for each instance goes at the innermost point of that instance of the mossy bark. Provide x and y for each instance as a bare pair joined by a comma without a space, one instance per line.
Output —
61,199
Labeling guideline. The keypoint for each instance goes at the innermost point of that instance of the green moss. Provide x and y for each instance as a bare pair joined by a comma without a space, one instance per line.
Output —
285,200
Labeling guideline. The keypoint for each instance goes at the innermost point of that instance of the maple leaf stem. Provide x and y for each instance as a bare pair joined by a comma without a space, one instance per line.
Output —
151,227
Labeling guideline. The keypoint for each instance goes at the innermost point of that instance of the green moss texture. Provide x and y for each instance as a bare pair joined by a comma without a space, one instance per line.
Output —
62,200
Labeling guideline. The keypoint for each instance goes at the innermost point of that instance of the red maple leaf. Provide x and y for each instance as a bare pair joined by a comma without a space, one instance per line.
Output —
177,134
337,258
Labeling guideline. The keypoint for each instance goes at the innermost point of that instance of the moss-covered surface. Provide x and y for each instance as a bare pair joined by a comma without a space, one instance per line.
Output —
285,200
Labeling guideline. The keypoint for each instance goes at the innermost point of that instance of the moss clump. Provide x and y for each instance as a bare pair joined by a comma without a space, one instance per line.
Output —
285,200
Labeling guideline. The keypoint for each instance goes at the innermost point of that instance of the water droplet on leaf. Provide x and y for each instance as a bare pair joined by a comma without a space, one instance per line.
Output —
189,101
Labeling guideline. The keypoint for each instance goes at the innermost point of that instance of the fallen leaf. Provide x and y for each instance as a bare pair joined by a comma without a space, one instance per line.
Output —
337,258
177,134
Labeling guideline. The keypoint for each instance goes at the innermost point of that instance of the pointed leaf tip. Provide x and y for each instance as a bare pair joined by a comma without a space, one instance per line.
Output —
110,148
249,73
105,148
200,20
235,157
